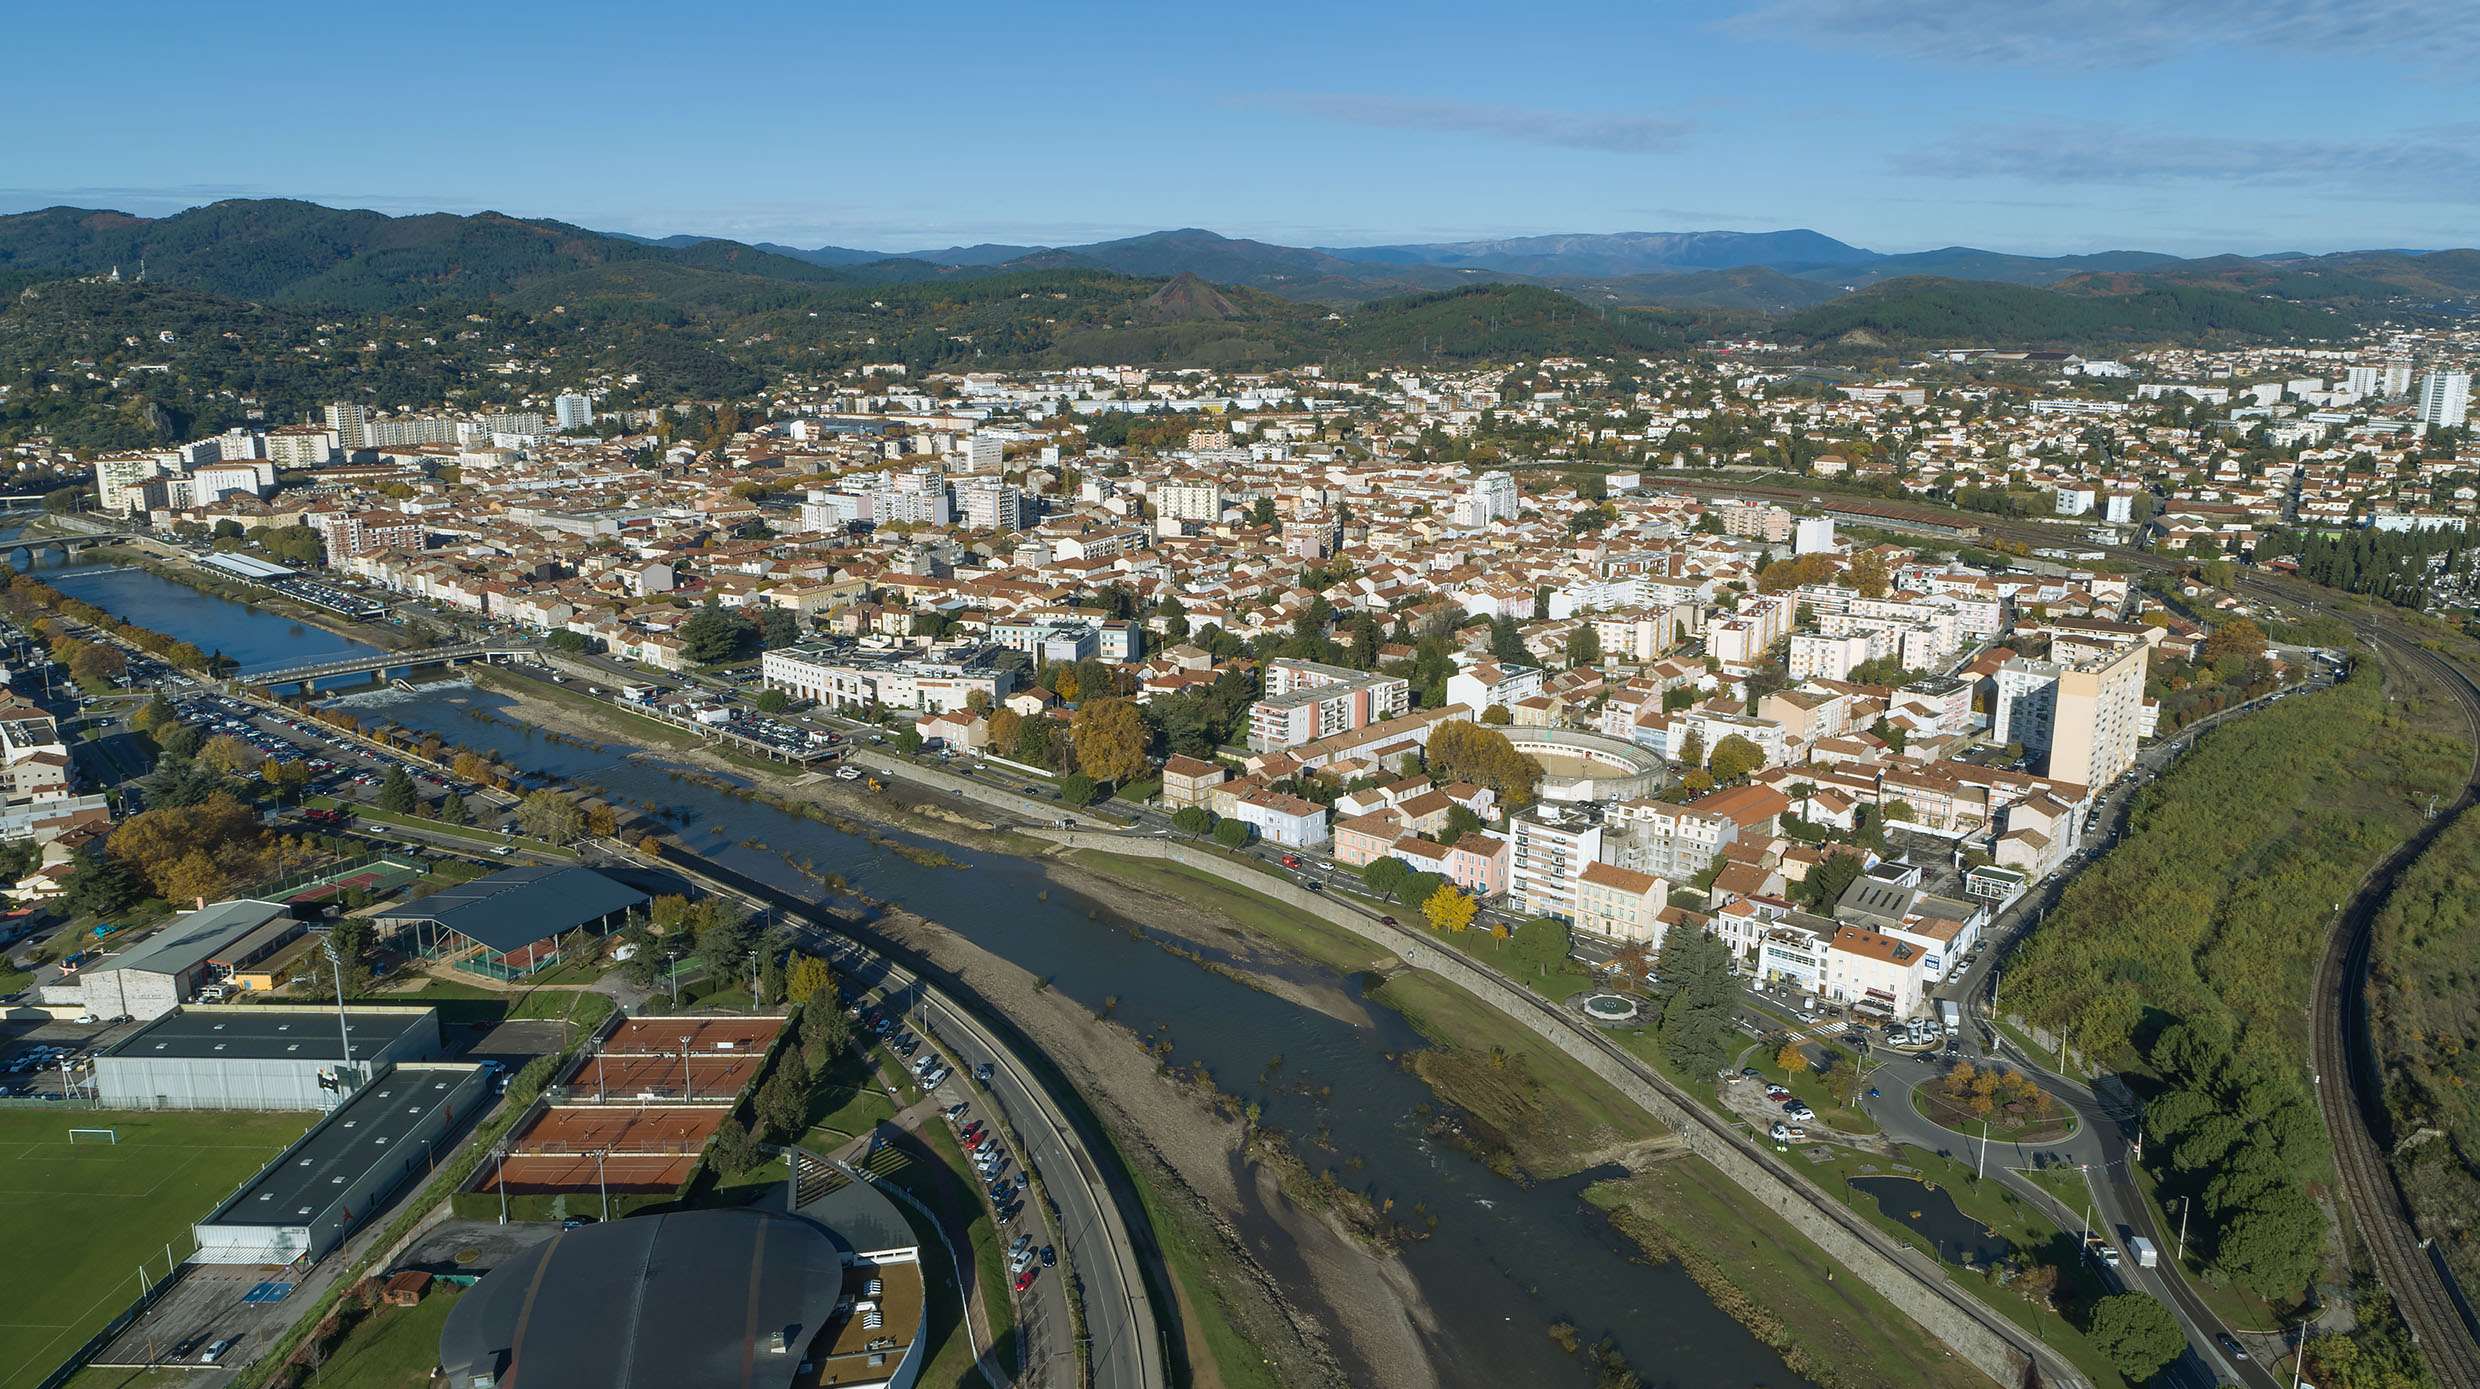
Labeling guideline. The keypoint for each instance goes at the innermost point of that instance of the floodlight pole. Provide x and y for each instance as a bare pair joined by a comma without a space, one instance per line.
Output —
335,964
599,1185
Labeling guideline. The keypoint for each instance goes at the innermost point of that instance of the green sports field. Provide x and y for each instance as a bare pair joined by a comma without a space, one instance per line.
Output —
77,1220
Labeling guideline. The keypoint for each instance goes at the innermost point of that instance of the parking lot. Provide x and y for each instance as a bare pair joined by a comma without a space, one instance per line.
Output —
207,1304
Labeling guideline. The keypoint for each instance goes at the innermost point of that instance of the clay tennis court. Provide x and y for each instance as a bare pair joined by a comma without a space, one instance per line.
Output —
658,1035
668,1130
547,1175
625,1077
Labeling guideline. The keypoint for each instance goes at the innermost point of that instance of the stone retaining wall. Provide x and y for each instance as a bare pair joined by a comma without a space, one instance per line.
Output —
1909,1279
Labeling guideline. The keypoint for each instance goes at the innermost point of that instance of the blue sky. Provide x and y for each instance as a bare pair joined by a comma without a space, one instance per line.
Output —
2026,125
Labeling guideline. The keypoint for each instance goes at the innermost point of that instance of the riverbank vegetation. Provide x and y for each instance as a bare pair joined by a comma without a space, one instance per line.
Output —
2427,1026
2186,955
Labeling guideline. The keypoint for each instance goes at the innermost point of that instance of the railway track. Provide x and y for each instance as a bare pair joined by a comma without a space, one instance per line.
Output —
2350,1086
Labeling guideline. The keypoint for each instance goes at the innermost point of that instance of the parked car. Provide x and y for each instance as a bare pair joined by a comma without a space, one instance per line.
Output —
1024,1280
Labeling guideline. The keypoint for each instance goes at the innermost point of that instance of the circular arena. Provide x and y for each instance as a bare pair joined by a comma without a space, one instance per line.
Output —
1588,766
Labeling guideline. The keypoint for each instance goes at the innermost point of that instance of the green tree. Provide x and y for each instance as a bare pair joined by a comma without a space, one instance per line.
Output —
779,627
1735,759
550,816
1076,788
1584,644
1506,642
1193,820
1386,876
1232,834
2137,1333
454,811
101,886
396,791
1699,999
712,636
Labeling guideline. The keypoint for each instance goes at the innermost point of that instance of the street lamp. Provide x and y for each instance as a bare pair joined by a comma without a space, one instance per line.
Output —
671,963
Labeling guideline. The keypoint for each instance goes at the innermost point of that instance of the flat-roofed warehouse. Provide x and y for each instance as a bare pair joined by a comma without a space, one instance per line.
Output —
257,1056
342,1172
509,924
152,978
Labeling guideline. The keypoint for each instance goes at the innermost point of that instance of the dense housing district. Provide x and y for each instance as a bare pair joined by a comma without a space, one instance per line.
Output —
1615,653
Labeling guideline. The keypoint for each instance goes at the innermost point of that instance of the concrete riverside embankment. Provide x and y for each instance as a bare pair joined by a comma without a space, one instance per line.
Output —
1910,1279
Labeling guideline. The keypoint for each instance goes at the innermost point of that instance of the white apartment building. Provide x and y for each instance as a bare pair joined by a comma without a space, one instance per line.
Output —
1306,701
1666,840
2027,704
994,506
2445,399
1552,847
1201,502
301,446
1817,657
1479,684
573,411
350,424
1489,498
1874,971
844,682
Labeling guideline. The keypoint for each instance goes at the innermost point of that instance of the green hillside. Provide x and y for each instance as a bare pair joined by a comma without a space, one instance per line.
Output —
1921,309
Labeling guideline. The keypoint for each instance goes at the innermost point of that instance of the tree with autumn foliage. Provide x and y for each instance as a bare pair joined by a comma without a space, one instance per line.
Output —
1110,737
1449,910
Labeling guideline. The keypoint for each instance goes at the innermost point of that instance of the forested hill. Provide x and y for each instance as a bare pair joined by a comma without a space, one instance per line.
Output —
1926,309
102,365
295,253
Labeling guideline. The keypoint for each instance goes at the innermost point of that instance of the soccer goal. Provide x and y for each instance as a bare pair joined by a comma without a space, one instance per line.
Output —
94,1135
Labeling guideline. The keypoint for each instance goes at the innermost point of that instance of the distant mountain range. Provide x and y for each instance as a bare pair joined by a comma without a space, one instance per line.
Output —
301,255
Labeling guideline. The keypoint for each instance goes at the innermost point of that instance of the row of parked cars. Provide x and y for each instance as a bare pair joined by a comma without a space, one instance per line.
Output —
1001,1182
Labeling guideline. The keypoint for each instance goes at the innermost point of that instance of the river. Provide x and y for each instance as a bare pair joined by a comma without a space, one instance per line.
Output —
258,640
1504,1261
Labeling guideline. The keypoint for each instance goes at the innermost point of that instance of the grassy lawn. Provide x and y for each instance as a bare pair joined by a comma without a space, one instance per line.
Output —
1328,945
1194,1258
849,1100
1524,1101
1756,1267
99,1378
583,1007
1807,1085
2006,1215
124,1202
393,1347
1561,978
